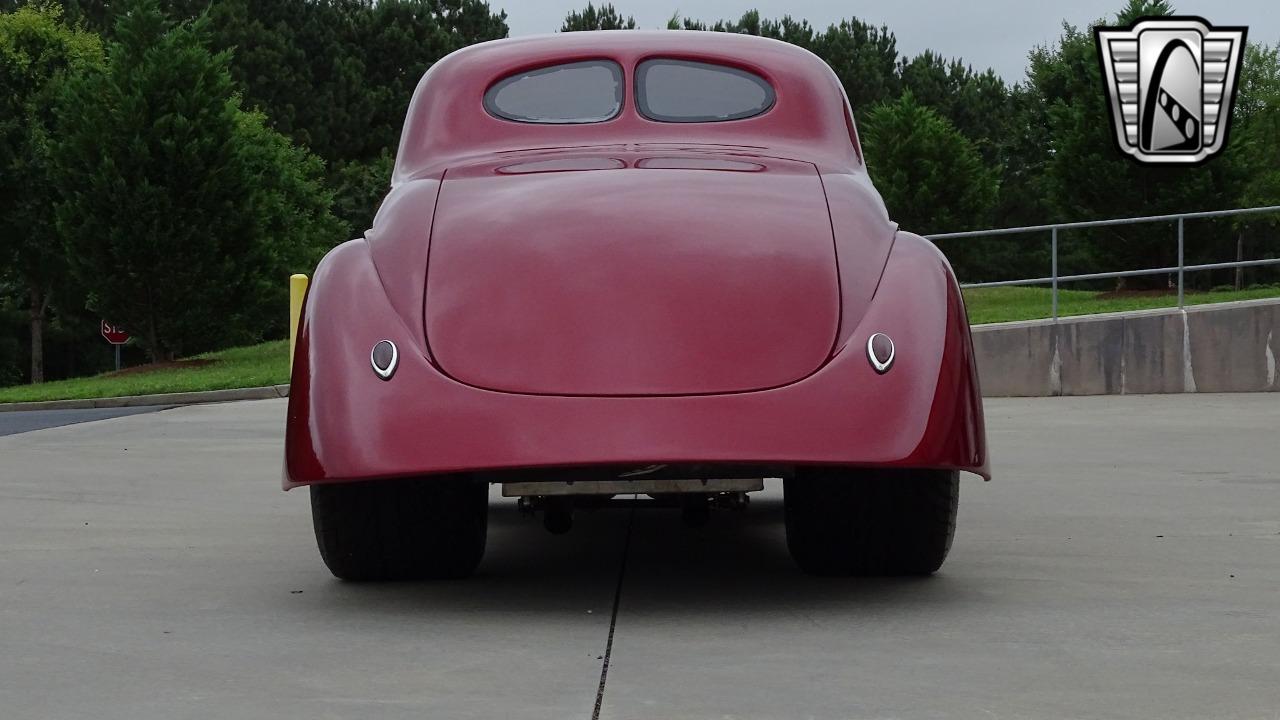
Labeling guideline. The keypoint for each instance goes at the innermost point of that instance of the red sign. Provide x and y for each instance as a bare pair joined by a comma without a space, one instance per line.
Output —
113,334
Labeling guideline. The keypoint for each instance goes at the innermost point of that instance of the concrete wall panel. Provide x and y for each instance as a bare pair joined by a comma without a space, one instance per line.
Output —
1152,354
1227,347
1091,353
1014,361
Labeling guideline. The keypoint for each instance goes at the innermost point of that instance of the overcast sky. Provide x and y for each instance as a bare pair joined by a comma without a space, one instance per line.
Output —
985,33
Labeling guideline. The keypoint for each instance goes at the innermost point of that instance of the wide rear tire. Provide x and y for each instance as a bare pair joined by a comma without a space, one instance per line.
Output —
410,529
870,522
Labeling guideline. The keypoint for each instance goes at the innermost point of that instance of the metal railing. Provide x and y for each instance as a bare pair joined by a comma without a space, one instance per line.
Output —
1054,278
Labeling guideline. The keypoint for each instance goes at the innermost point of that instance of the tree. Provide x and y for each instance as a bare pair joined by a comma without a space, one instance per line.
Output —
1135,9
1022,153
1086,178
99,16
1255,139
304,64
788,29
337,76
865,59
931,177
977,104
863,56
1253,155
38,53
292,224
359,188
591,18
192,207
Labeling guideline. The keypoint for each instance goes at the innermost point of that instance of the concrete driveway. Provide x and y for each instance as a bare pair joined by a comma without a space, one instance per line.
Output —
1125,563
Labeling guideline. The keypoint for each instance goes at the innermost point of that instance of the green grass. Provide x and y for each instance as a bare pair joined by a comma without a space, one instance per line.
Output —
1003,304
268,363
253,366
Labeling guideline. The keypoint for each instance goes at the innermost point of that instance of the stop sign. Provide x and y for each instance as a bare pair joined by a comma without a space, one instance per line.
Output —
113,334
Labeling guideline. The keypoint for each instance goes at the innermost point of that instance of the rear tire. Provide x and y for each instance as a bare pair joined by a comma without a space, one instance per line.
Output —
411,529
844,521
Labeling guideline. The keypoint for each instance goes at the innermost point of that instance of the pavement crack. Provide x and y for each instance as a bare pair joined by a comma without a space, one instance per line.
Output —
613,618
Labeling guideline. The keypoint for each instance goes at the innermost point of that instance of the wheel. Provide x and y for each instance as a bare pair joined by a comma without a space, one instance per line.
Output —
410,529
844,521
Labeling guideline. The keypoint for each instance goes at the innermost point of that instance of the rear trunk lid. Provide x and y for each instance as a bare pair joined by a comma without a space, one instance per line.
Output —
596,275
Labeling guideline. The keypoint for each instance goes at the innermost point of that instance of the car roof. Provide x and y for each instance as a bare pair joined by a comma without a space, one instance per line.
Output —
447,122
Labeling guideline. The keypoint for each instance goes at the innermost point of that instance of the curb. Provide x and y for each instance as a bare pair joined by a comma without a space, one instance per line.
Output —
182,398
1124,314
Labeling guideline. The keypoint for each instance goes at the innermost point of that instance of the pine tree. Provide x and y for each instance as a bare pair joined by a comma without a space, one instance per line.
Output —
38,53
182,213
930,176
606,17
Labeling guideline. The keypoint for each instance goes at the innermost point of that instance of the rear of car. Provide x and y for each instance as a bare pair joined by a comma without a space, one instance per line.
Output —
646,264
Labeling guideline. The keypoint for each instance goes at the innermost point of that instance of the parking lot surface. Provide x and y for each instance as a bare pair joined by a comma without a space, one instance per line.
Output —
1124,563
12,423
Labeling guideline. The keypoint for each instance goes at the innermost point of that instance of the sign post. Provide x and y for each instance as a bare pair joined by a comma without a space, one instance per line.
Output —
116,337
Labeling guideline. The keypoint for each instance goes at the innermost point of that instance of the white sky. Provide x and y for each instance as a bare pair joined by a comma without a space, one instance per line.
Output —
985,33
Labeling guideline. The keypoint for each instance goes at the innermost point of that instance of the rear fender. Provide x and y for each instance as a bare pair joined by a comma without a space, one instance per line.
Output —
345,314
919,301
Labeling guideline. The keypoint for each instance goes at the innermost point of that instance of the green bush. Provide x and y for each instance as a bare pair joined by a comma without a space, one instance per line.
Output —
182,212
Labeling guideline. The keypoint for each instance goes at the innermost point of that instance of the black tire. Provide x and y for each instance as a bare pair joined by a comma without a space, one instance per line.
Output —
844,521
411,529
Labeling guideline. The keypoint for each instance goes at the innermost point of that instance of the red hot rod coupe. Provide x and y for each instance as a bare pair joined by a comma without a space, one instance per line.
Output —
632,263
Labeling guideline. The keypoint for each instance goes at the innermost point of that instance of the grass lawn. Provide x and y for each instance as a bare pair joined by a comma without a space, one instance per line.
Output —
253,366
268,363
1003,304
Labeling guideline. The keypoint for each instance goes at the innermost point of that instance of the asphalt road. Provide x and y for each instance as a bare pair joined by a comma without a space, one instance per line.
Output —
1124,564
12,423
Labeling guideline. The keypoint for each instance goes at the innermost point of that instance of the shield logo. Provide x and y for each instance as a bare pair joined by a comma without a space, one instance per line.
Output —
1171,82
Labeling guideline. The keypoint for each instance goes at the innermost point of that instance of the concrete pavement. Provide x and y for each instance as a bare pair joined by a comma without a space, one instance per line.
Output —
1123,564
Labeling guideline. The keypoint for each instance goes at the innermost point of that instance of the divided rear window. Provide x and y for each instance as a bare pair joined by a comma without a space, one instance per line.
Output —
671,90
579,92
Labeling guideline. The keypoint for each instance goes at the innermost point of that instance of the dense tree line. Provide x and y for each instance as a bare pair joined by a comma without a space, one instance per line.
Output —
951,148
164,163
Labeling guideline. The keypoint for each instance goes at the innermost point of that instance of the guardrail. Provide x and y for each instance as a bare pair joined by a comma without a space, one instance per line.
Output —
1054,278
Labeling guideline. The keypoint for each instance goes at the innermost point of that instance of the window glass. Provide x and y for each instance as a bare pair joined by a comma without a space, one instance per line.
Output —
581,92
687,91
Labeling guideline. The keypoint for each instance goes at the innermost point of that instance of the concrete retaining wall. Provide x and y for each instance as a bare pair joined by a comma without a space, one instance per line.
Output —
1226,347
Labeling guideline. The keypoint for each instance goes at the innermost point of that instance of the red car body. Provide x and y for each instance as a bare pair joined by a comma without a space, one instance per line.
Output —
631,292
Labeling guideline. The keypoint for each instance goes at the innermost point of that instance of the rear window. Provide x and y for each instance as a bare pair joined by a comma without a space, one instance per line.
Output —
580,92
686,91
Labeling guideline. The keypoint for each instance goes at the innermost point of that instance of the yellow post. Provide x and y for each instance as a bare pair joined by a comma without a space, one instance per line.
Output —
297,291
